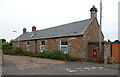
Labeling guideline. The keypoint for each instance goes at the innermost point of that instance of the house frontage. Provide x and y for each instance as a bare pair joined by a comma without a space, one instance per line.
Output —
76,39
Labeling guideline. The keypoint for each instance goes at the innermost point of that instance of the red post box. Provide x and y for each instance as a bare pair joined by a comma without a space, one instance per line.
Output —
94,53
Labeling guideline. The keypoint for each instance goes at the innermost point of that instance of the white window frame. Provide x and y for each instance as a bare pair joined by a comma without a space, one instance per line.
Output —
42,45
17,46
27,46
63,46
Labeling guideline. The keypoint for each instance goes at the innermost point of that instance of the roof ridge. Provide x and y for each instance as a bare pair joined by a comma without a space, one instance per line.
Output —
61,25
68,29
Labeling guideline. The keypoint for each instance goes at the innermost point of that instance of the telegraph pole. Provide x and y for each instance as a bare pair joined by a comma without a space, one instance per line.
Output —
101,13
100,39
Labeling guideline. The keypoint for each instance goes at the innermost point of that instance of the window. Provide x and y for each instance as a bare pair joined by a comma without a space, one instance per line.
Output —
28,46
42,47
28,43
42,42
17,46
64,45
32,35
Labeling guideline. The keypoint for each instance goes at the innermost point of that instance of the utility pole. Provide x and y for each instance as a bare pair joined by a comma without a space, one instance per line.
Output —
101,13
100,39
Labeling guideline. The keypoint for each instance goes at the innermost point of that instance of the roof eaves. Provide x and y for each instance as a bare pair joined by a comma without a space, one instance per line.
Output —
49,37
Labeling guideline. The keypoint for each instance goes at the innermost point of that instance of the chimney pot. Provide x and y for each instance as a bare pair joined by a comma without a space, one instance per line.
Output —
33,28
24,30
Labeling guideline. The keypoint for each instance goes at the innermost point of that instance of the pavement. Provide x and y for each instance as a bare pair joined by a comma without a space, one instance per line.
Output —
112,66
24,65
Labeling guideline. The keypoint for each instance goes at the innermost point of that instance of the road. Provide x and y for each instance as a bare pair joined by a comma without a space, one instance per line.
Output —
24,65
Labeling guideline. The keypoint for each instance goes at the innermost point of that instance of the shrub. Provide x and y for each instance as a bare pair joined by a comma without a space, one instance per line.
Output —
35,55
57,55
111,60
17,51
6,46
116,41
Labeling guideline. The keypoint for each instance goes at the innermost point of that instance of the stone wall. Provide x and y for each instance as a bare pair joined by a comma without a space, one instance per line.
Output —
92,35
107,52
1,57
92,32
90,52
77,47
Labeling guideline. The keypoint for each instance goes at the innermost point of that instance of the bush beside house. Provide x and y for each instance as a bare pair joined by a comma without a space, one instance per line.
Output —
57,55
6,45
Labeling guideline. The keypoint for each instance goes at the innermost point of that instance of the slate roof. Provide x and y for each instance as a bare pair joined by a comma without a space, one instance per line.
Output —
70,29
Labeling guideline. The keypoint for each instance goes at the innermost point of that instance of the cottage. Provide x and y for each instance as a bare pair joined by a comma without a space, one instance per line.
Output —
72,38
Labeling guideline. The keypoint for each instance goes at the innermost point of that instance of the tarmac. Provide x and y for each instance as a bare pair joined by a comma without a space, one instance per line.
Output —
106,65
25,65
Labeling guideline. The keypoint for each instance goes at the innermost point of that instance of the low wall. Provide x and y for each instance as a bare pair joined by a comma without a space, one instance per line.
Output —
1,56
1,62
107,52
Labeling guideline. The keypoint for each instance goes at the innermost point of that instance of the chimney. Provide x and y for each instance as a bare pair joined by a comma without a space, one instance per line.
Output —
33,28
93,11
24,30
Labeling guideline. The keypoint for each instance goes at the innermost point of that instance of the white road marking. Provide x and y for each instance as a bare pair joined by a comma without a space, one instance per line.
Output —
100,68
72,70
86,69
93,68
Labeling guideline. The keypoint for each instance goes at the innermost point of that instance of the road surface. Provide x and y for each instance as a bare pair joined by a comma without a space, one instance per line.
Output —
24,65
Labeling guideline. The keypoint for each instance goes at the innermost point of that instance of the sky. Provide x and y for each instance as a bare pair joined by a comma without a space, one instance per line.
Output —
18,14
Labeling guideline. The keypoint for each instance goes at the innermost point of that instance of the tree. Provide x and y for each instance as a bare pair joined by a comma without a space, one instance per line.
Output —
3,40
116,41
10,44
6,46
109,40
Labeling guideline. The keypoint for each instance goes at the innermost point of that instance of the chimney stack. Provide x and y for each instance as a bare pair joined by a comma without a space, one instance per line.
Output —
24,30
93,11
33,28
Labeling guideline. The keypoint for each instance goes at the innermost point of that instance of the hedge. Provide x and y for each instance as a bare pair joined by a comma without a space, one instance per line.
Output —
57,55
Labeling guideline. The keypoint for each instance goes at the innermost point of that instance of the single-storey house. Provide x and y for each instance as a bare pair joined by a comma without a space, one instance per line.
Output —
75,39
